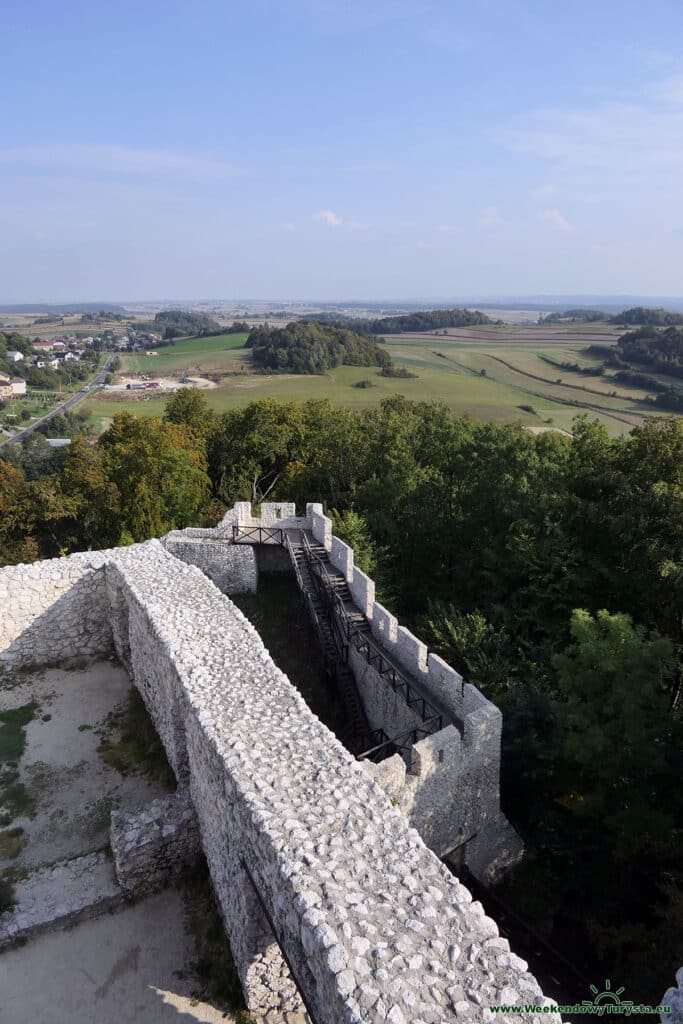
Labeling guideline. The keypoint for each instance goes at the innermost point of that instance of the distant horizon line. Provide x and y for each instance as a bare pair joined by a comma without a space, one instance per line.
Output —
549,298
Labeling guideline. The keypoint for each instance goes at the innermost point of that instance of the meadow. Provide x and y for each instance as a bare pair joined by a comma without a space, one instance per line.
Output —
219,354
499,373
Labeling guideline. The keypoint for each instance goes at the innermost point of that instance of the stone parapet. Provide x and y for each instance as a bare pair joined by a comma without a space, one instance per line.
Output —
232,567
374,926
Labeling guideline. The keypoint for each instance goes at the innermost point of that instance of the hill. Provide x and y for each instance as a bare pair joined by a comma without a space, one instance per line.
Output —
642,315
177,323
588,315
421,320
311,347
428,320
660,350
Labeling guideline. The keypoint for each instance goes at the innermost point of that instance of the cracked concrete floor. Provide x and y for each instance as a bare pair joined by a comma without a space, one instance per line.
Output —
129,967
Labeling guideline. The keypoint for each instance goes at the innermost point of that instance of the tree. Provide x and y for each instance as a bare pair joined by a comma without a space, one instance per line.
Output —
189,407
310,347
159,470
353,530
252,448
618,728
17,518
83,478
482,653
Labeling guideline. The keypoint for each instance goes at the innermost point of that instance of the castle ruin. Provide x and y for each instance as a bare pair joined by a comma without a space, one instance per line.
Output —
326,862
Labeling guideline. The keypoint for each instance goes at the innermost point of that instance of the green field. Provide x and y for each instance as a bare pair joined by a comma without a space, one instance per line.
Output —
203,355
490,376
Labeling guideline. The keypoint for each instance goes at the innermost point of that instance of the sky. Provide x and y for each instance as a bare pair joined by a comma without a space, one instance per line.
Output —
340,149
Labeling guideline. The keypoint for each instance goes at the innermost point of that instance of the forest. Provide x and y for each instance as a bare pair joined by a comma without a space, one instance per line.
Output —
179,323
659,350
428,320
548,569
647,316
424,320
311,347
580,313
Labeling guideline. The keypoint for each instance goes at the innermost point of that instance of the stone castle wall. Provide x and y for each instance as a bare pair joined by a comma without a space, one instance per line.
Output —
307,854
449,784
232,567
54,610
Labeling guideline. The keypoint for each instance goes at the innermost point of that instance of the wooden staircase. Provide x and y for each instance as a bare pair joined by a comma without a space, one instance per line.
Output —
333,650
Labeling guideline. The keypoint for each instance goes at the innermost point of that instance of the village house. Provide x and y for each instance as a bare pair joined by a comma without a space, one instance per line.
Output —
11,387
13,356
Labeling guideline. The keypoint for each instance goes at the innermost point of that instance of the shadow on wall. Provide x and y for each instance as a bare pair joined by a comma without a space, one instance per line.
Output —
54,618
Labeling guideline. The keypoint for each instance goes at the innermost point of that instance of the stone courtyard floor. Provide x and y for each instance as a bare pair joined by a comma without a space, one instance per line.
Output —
129,967
60,790
76,742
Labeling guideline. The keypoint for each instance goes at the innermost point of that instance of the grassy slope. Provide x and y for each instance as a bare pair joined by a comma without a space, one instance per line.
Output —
453,376
205,353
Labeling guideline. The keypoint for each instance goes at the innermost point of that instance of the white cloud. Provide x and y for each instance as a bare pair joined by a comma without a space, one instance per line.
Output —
328,217
118,159
448,229
637,144
668,90
555,220
490,217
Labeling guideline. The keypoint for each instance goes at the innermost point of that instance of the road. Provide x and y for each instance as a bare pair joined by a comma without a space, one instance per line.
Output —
95,383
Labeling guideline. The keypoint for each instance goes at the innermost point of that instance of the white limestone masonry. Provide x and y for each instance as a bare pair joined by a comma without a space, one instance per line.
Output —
308,856
154,844
232,567
449,786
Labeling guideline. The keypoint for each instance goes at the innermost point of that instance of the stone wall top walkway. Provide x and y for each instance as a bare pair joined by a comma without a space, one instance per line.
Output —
377,928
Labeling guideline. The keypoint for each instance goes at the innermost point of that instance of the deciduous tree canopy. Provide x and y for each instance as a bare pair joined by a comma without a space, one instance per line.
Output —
548,569
310,347
174,323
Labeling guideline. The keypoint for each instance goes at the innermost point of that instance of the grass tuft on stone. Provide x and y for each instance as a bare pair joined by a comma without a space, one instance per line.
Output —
7,899
131,744
12,841
13,731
